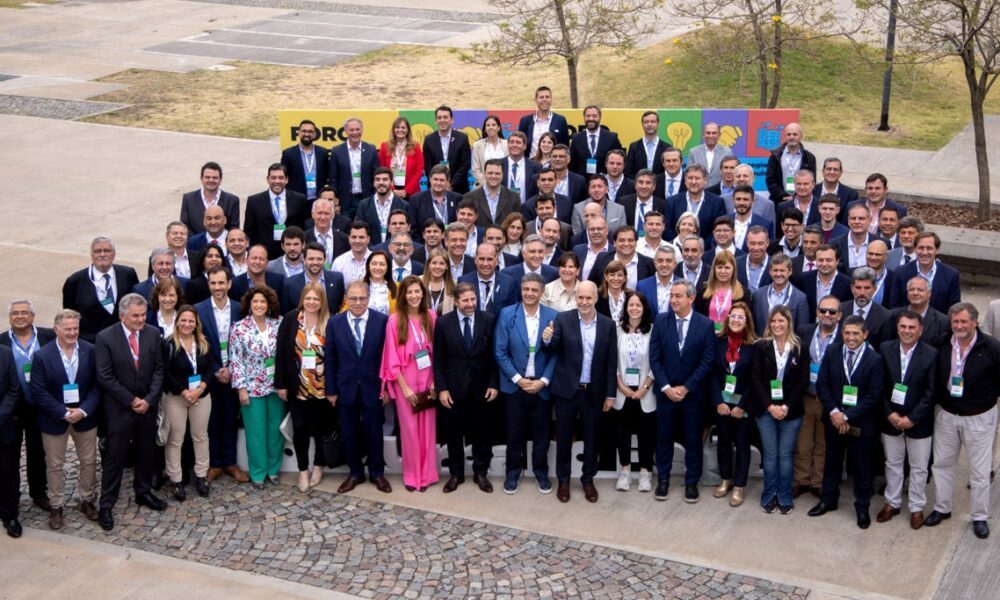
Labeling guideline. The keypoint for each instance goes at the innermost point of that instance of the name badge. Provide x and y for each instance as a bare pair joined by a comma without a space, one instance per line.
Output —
399,178
730,387
777,392
278,230
356,175
899,394
591,166
107,301
328,265
311,182
850,396
71,393
531,349
516,190
642,233
790,185
27,372
423,360
385,232
269,368
308,359
224,351
813,373
632,377
957,385
194,381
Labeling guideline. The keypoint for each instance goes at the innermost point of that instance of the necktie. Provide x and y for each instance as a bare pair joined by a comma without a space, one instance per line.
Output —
513,176
107,285
680,332
593,144
467,332
850,360
810,267
399,274
861,313
906,259
487,300
670,187
277,209
357,334
133,343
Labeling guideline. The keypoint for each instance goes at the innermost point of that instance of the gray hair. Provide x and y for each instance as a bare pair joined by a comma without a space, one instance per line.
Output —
531,239
101,240
398,235
966,306
354,119
864,274
909,221
686,215
665,250
688,288
533,278
359,283
161,252
31,307
66,313
128,300
697,238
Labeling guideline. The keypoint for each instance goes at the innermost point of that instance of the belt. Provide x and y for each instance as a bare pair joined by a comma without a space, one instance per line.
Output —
968,413
583,386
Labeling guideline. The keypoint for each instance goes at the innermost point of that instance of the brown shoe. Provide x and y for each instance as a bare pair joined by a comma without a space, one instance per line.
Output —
213,474
43,503
798,490
917,520
349,484
381,484
237,473
590,492
886,513
483,483
453,483
56,519
89,510
562,492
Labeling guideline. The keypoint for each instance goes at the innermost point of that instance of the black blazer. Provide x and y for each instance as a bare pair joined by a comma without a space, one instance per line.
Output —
241,283
120,381
10,394
465,374
531,169
341,178
811,218
291,157
840,244
368,213
259,219
868,378
421,208
645,268
919,381
78,293
564,208
567,344
773,177
879,322
340,241
193,210
286,361
291,293
177,368
459,158
579,150
631,201
846,194
508,203
742,371
793,384
937,327
636,158
806,282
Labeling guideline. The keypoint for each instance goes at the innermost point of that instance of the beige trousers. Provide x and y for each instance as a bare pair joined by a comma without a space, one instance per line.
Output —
179,413
55,461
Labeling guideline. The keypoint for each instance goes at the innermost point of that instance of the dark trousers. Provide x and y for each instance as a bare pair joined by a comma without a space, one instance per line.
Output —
691,413
567,410
139,433
468,419
312,418
10,477
858,451
631,420
528,413
734,439
33,450
222,434
361,426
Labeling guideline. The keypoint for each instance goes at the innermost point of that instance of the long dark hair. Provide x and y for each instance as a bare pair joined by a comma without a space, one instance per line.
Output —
646,321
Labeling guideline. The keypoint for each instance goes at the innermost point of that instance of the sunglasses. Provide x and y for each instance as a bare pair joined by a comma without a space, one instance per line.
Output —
828,311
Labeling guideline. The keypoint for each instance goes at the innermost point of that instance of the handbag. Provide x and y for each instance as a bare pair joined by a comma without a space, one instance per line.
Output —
424,401
333,449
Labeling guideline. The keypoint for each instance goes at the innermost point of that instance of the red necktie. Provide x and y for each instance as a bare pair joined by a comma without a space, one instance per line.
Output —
133,343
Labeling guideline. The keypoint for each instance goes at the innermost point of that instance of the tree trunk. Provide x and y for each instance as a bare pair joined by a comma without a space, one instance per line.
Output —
982,159
567,52
574,95
776,81
761,43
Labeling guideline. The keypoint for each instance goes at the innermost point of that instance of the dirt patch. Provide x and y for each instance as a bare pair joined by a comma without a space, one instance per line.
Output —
953,216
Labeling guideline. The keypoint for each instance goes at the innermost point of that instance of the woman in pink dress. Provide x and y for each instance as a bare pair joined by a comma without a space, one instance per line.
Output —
406,372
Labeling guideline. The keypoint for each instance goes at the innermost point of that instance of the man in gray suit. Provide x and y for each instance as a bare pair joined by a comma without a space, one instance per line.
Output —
904,252
597,189
710,153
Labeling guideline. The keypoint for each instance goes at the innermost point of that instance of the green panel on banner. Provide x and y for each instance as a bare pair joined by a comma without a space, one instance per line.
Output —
421,122
681,127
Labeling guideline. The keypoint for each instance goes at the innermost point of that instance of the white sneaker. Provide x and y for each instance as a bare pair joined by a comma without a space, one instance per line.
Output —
624,480
645,481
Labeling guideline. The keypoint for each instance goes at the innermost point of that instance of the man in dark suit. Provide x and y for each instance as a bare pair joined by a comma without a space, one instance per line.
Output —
572,185
832,170
10,445
64,391
849,385
785,161
520,172
589,147
314,272
876,188
802,199
642,201
334,241
909,366
656,288
215,232
307,164
269,213
826,280
162,263
449,147
645,152
583,383
455,242
545,208
546,182
878,320
352,168
935,325
692,268
256,275
493,201
753,271
681,356
494,291
744,218
637,266
354,340
780,291
193,204
945,288
466,380
177,238
533,251
436,202
130,372
885,279
542,120
375,209
852,249
25,339
670,179
217,315
708,207
94,291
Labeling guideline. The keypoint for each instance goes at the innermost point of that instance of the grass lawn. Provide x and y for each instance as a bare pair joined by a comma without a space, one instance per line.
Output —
838,91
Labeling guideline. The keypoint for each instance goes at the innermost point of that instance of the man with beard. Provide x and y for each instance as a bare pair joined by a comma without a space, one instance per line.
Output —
308,165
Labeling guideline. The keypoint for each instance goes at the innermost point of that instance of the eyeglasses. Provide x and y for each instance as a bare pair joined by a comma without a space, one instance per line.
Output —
737,318
828,311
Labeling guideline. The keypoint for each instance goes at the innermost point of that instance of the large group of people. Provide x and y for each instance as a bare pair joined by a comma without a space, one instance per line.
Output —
540,287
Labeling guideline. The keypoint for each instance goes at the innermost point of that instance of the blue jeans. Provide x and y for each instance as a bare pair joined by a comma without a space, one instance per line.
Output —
778,440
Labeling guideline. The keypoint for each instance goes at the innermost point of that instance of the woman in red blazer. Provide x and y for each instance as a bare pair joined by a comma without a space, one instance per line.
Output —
403,155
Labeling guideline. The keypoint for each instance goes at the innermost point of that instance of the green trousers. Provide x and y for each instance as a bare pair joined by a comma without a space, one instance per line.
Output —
265,444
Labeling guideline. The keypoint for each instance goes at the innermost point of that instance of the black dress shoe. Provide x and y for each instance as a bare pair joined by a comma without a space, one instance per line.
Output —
201,484
981,529
821,509
105,519
151,502
158,480
934,519
179,491
452,484
662,487
349,484
690,494
43,503
483,483
381,484
13,527
864,518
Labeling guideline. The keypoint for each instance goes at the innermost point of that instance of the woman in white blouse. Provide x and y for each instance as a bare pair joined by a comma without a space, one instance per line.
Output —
560,295
491,145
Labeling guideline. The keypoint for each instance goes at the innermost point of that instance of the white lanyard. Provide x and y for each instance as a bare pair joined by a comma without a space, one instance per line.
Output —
31,346
695,206
309,160
722,303
782,300
781,358
824,290
418,335
820,350
435,297
634,343
489,296
857,361
442,214
192,357
959,359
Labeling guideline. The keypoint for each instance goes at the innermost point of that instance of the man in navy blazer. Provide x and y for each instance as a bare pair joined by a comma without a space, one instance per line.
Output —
523,179
502,288
313,272
831,184
849,385
353,355
584,382
945,288
162,263
553,122
827,277
533,251
656,289
592,144
645,152
876,188
256,275
10,444
709,206
637,266
352,168
852,248
66,406
375,209
450,147
780,291
436,202
94,291
802,199
525,367
756,241
259,223
681,356
193,204
308,164
546,184
218,315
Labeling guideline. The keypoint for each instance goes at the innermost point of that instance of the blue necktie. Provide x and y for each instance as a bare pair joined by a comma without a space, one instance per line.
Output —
680,332
107,286
670,187
593,144
357,334
399,274
642,211
277,209
468,334
513,176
